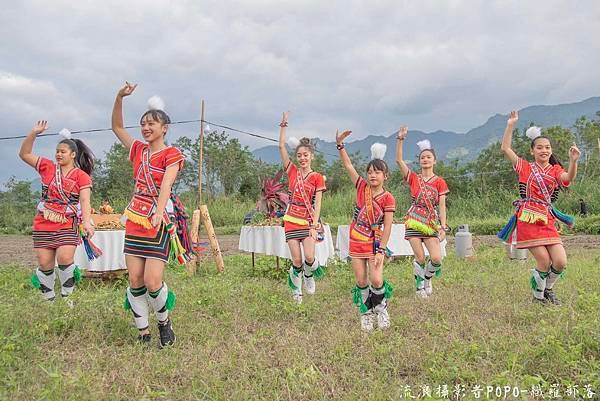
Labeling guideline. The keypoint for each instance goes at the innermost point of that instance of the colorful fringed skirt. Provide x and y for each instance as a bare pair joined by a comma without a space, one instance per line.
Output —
412,233
295,231
148,243
531,235
360,246
51,235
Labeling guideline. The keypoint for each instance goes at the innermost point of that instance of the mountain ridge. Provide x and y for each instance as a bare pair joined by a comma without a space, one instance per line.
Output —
453,145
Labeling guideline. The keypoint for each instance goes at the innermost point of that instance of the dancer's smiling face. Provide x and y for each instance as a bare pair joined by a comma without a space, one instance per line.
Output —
153,127
541,149
304,156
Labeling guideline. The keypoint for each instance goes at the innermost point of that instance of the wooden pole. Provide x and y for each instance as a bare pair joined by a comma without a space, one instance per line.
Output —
193,264
197,215
212,238
201,213
200,158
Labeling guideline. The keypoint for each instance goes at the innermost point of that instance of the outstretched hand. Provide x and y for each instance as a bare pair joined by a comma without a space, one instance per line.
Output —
127,89
574,153
284,119
513,117
40,127
403,132
339,138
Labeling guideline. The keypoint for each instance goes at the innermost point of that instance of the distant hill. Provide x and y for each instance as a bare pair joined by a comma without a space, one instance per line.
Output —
467,145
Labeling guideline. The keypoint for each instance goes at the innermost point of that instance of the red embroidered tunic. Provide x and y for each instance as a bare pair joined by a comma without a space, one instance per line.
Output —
143,201
361,234
428,192
72,183
534,208
297,215
434,188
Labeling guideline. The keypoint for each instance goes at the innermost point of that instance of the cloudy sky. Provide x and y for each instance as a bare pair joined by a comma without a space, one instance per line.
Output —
363,65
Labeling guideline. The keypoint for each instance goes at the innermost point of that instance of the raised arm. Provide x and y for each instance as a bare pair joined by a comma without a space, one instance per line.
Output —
570,175
399,145
339,139
285,158
506,146
25,153
117,115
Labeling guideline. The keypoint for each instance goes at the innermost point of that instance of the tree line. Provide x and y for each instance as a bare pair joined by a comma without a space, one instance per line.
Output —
230,169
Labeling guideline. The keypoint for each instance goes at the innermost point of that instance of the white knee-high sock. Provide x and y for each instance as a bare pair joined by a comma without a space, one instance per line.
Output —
419,272
138,303
553,275
44,281
162,301
68,275
538,283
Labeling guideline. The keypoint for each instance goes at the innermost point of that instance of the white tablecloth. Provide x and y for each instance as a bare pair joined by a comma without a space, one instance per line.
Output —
111,242
270,240
397,244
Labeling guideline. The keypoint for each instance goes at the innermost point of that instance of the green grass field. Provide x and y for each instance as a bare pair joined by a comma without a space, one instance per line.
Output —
240,337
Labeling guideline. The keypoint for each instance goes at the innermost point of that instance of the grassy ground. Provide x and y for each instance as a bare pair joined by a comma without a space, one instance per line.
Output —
240,337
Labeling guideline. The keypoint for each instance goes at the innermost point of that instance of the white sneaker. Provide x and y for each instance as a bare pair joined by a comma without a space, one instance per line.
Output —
421,294
366,321
383,319
309,284
428,287
297,297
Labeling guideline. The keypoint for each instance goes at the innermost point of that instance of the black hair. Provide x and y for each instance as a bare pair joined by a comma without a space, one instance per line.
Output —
84,158
553,159
428,150
306,143
378,165
157,115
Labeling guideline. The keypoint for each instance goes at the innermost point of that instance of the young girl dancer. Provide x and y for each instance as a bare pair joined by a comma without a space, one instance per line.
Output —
150,236
66,191
425,221
302,217
539,183
368,242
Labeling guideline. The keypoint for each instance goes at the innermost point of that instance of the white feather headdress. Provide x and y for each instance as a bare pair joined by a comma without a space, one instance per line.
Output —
378,150
533,132
424,145
293,142
65,133
156,103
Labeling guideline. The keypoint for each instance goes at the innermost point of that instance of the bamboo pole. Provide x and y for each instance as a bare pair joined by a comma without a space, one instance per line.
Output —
192,266
212,238
201,214
200,158
199,199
